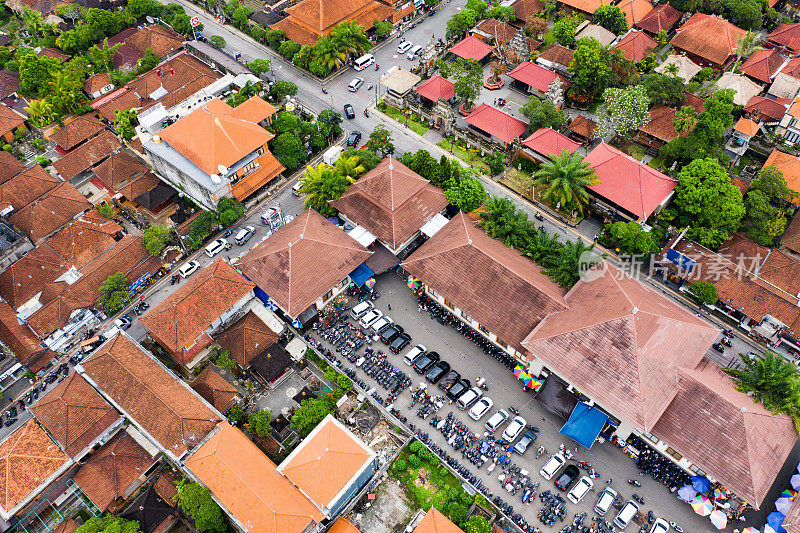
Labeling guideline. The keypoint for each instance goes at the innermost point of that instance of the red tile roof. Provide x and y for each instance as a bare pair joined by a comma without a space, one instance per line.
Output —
472,48
87,155
527,9
183,316
708,36
636,45
619,341
215,390
628,183
9,119
9,83
75,414
436,88
787,35
10,166
548,141
792,68
534,75
770,109
523,296
50,212
723,431
302,261
496,123
762,65
21,340
311,19
661,17
76,131
150,395
95,82
392,202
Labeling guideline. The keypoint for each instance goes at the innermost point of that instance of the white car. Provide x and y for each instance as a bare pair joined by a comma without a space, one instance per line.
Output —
370,318
513,430
413,353
188,269
552,466
605,500
355,84
580,489
216,247
480,408
361,309
626,514
404,47
244,234
660,526
381,323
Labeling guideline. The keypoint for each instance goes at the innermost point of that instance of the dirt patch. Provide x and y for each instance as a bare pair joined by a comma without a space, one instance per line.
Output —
423,480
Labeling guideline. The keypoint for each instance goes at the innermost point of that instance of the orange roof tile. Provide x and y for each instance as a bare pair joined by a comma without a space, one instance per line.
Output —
26,187
788,35
212,135
342,525
661,17
326,462
747,126
635,10
436,522
436,88
20,339
708,36
789,165
762,65
269,169
587,6
50,212
118,169
254,109
661,124
249,486
76,131
9,119
636,45
95,82
215,390
311,19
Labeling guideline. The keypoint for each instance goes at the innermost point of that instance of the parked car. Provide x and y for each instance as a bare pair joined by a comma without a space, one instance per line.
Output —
527,439
660,526
412,54
348,111
355,84
605,500
370,317
414,353
626,514
447,381
123,323
391,333
424,363
400,342
496,420
580,489
244,234
404,47
216,247
439,369
187,269
480,408
567,477
361,309
514,429
458,388
552,466
354,139
466,400
272,217
379,325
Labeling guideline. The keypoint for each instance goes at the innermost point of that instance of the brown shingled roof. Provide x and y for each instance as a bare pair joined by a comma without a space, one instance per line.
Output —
392,202
302,261
50,212
76,131
501,32
9,119
788,35
87,155
54,53
661,17
246,338
180,318
527,9
522,295
725,432
96,82
661,124
309,20
113,470
24,344
156,400
708,36
118,169
10,166
555,53
762,65
26,187
215,390
636,45
75,414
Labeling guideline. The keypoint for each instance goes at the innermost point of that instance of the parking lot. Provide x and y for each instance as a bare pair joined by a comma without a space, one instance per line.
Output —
505,390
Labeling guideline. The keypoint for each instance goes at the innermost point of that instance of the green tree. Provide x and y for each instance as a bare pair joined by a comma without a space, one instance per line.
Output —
226,362
239,17
285,122
196,500
289,150
611,18
630,238
107,210
685,119
478,6
461,22
380,139
477,524
566,272
468,77
623,111
309,414
704,292
288,49
155,238
350,38
745,13
109,524
542,114
382,29
706,138
502,13
274,38
771,182
708,199
321,184
40,112
281,89
590,67
258,66
366,158
467,195
114,293
544,248
217,41
260,422
141,8
148,62
73,12
747,44
329,53
662,89
349,167
566,177
102,57
230,210
770,380
503,221
564,29
124,122
764,222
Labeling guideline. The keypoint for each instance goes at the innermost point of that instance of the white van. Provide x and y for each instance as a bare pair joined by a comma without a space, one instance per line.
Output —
296,188
361,309
496,420
412,54
364,61
414,353
626,514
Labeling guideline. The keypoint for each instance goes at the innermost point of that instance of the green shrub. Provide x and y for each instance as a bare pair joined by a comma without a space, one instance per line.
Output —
415,446
399,466
414,460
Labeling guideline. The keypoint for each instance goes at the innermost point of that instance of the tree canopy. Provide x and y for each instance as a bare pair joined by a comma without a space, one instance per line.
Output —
611,18
114,293
321,184
196,500
623,111
109,524
542,113
309,414
155,238
566,177
467,194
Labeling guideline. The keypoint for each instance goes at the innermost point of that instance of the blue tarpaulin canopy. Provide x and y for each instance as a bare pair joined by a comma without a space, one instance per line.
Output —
584,424
361,274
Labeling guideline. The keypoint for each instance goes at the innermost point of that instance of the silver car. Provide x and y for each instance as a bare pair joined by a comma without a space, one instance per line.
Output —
355,84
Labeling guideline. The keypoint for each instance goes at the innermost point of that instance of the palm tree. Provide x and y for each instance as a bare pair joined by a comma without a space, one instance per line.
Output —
349,167
572,258
672,70
321,184
41,112
566,178
746,46
350,38
543,249
329,54
502,221
769,379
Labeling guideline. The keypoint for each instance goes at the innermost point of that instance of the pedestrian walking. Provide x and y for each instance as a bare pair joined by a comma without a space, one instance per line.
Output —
608,481
389,306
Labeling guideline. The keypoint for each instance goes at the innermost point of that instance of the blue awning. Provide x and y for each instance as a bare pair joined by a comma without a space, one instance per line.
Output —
584,424
361,274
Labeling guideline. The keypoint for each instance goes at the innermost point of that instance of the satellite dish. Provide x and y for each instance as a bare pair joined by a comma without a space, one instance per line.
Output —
215,178
222,169
149,19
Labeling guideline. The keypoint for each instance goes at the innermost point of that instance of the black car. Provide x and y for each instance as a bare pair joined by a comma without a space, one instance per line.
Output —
424,363
447,381
458,388
400,342
354,139
436,373
348,111
567,477
389,334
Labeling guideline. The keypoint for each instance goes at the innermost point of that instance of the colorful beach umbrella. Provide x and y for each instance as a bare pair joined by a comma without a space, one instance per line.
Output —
795,481
531,382
413,283
686,493
750,529
783,505
370,283
701,483
719,519
518,371
788,493
702,505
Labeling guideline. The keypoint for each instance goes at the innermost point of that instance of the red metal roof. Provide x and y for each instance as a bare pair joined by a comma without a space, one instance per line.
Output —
534,75
628,183
548,141
436,88
496,123
472,48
